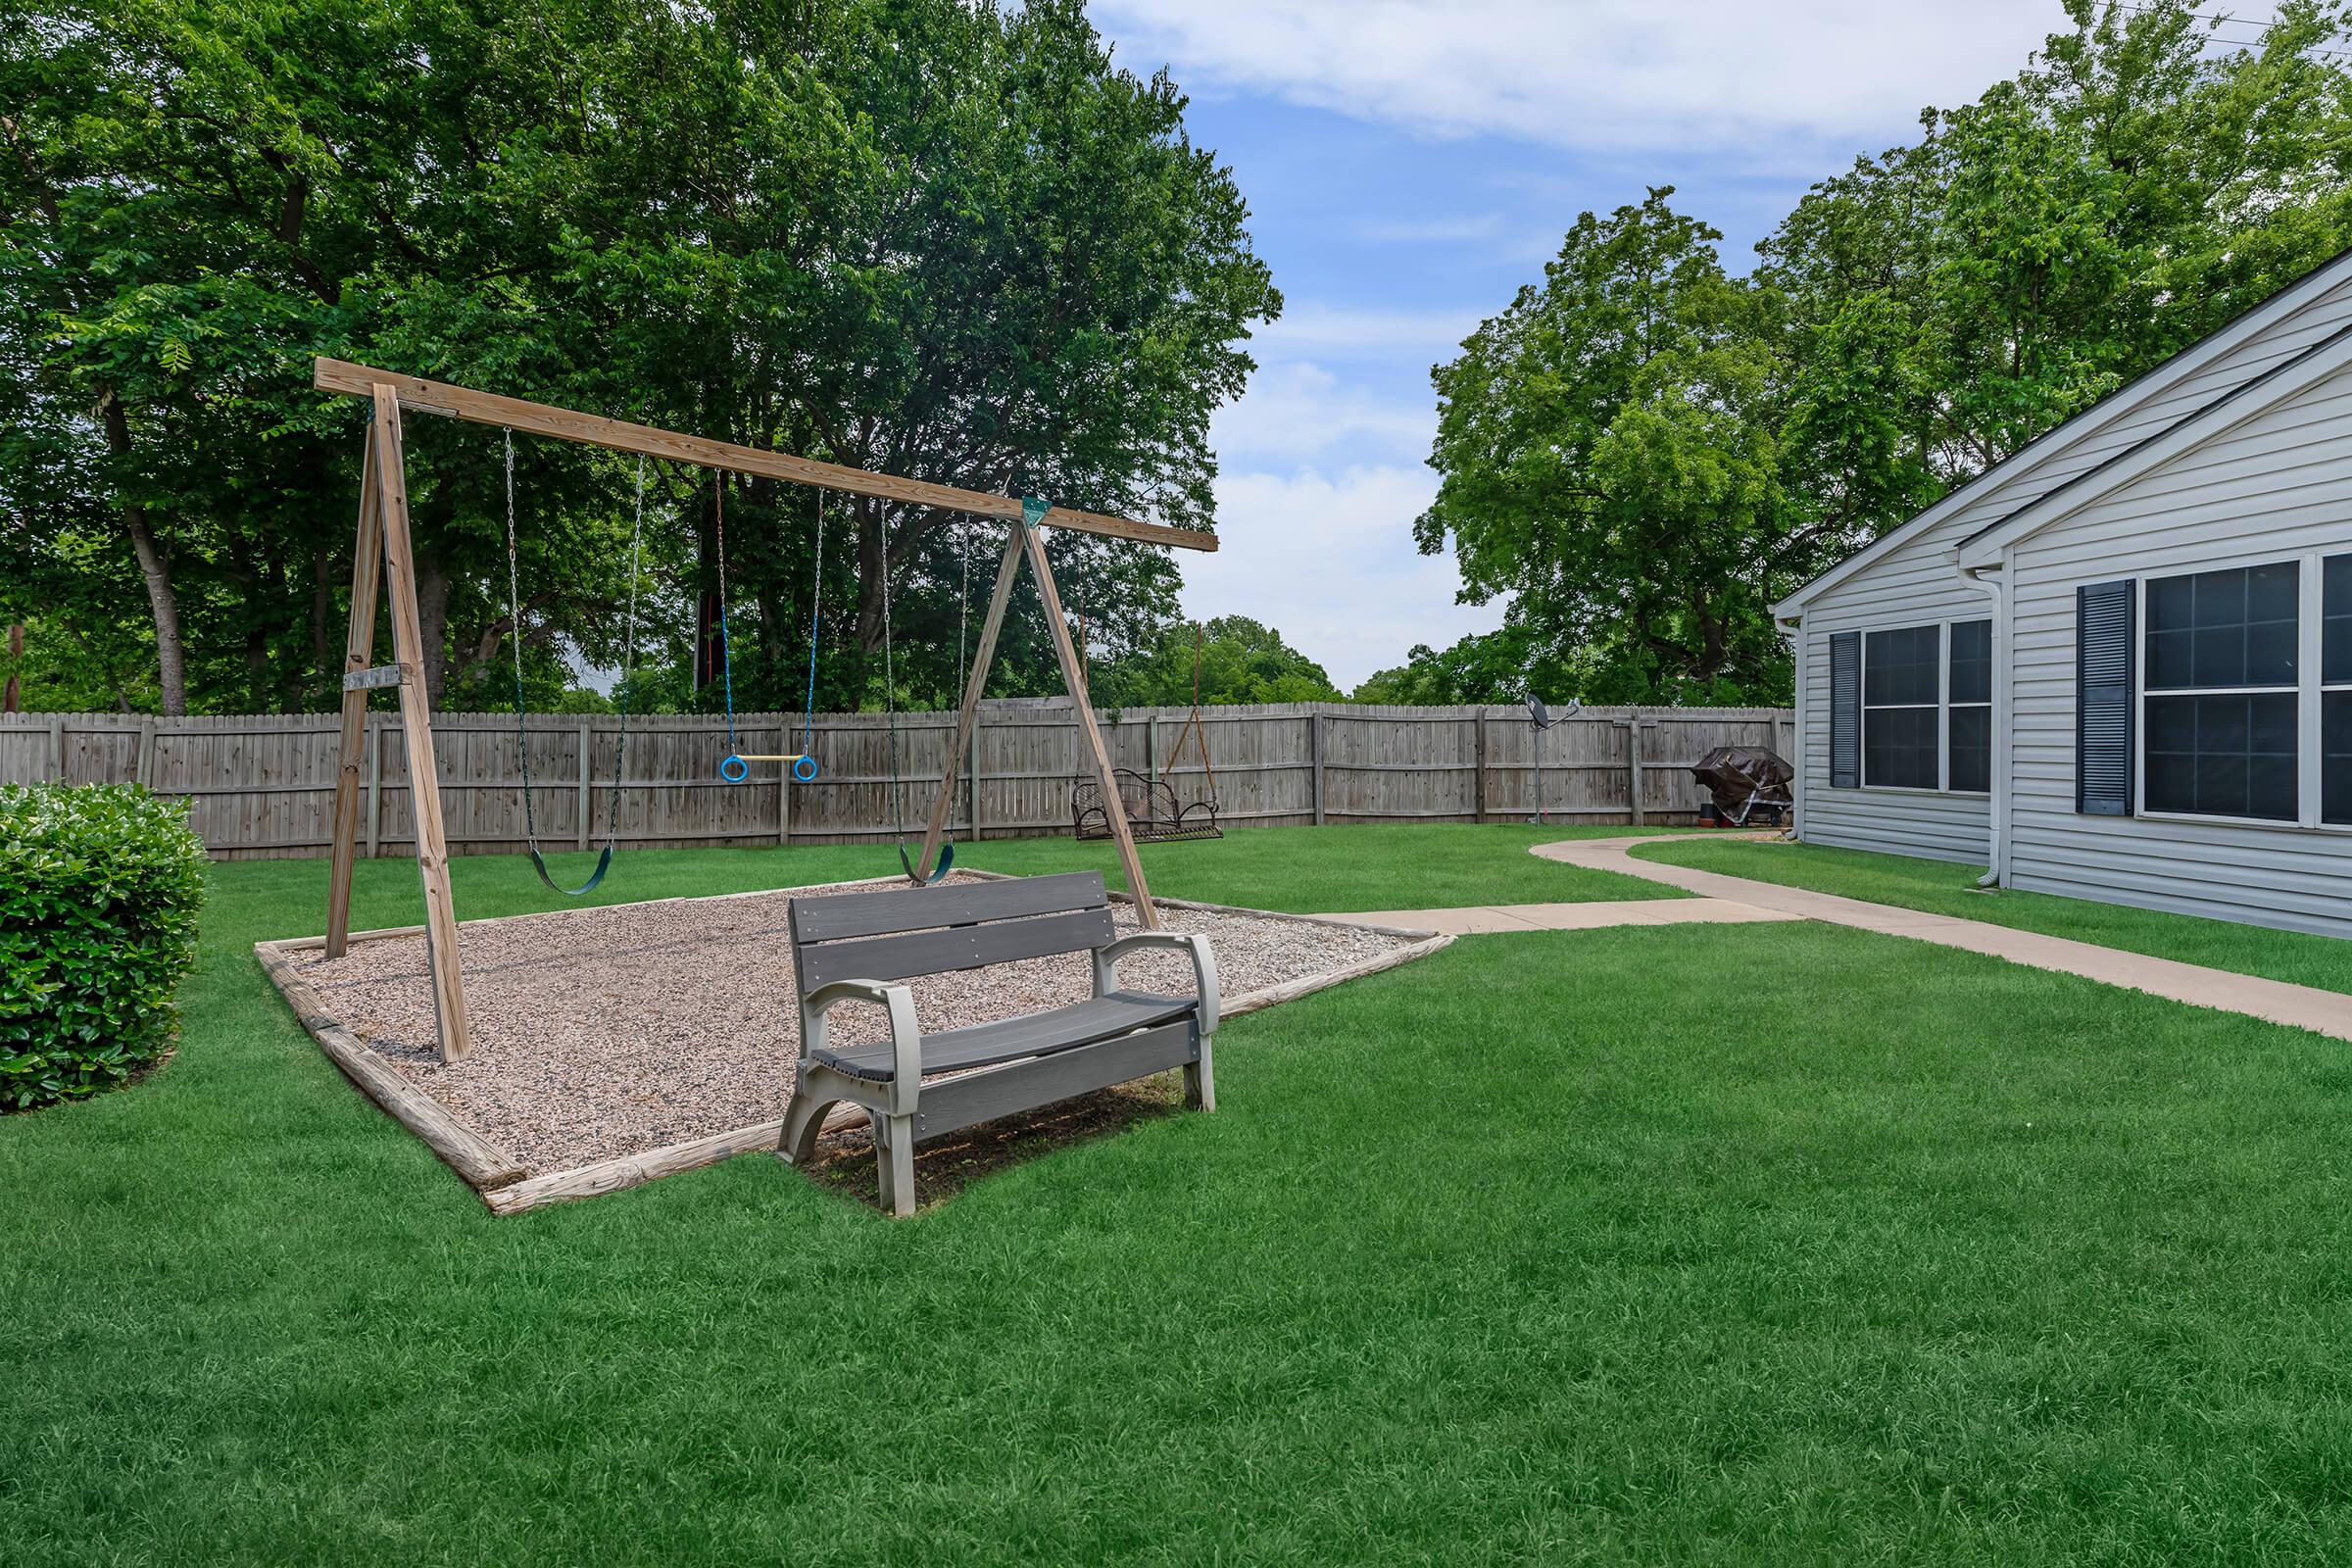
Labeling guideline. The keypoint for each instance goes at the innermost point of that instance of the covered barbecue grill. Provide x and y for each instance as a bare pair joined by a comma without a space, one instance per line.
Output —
1749,785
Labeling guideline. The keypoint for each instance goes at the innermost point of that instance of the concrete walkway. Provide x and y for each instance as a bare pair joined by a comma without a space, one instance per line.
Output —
1480,919
2327,1013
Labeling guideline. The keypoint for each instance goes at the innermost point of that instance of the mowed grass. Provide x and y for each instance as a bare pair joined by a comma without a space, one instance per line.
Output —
1940,887
1303,870
1733,1245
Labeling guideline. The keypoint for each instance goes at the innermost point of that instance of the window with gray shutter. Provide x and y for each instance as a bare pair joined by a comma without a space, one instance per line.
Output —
2103,698
1845,710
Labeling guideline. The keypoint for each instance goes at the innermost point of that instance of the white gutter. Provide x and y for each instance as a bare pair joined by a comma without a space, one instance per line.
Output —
1997,871
1791,628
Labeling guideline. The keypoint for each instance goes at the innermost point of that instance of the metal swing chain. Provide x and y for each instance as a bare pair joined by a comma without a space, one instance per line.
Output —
727,649
628,664
522,734
889,695
817,606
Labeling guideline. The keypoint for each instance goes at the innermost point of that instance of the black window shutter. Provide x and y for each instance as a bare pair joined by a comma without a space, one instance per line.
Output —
2103,645
1845,710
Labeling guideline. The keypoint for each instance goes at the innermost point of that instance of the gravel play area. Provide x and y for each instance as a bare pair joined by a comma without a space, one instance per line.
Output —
611,1031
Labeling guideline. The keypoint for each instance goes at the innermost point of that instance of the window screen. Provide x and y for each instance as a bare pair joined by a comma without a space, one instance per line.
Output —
2219,703
2335,695
1901,687
1968,722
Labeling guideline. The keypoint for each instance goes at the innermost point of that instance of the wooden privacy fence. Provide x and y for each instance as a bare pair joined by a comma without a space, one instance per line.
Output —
263,786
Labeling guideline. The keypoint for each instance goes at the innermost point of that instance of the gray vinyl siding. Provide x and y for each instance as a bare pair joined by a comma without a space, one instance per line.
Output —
1913,586
2275,486
1916,581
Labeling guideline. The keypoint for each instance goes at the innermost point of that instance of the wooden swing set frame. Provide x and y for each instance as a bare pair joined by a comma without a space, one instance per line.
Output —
384,562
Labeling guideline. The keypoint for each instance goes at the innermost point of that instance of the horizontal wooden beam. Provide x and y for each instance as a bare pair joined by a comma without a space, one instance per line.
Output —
566,425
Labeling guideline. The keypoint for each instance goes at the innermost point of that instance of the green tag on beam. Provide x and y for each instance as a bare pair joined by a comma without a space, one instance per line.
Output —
1034,509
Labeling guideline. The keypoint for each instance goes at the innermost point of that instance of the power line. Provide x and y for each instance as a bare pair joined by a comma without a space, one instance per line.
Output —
2224,18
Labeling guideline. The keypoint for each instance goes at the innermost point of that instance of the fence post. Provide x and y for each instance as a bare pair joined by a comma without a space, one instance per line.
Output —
375,786
1478,762
971,767
587,750
1151,746
1314,755
784,801
143,767
1632,763
57,745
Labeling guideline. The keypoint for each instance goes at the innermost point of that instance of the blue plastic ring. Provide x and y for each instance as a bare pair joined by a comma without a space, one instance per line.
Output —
804,768
734,769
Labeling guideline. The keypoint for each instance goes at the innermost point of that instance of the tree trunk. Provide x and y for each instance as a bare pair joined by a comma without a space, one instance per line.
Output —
324,661
870,568
163,603
433,625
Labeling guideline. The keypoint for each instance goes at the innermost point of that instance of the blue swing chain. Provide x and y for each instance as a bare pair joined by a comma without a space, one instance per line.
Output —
726,650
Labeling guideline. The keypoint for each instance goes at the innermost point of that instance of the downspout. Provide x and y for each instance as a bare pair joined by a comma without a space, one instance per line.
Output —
1996,586
1792,628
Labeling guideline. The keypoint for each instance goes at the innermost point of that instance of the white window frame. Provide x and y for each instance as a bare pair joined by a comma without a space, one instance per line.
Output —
2310,570
1944,706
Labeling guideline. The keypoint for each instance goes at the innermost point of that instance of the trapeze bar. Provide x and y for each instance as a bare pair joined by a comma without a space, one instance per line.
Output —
737,766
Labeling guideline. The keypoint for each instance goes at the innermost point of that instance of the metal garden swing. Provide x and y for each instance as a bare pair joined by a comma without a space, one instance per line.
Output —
522,734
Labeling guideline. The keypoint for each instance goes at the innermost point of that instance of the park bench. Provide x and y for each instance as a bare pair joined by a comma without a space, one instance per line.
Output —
853,947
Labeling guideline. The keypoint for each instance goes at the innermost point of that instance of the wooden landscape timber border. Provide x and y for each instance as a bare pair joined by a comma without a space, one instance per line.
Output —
501,1182
383,560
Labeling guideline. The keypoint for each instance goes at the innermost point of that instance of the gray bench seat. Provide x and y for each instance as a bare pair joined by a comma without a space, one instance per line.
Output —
852,947
1035,1034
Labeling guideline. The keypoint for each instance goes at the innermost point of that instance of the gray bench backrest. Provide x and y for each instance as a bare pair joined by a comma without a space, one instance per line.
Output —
916,931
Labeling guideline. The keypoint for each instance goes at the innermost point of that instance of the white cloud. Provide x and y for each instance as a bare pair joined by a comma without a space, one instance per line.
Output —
1729,76
1330,563
1337,331
1431,230
1300,411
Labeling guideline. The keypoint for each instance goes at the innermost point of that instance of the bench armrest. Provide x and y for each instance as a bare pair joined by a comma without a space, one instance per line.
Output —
1204,966
906,1038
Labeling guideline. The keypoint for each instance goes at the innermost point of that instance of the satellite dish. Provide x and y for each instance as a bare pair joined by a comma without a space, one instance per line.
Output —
1540,717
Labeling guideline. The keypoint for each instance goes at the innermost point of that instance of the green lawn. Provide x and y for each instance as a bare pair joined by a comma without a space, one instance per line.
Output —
1306,870
1776,1245
1940,887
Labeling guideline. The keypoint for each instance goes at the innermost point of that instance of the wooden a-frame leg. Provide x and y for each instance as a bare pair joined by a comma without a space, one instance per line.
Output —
974,684
1074,678
366,570
416,728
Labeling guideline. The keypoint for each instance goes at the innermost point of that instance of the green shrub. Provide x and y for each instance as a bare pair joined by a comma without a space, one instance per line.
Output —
99,890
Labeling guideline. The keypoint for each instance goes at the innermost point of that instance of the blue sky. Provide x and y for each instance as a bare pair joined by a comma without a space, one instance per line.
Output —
1409,165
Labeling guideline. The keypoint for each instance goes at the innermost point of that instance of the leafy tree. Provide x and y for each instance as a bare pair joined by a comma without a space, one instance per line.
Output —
1497,666
1645,451
929,237
1610,455
1239,660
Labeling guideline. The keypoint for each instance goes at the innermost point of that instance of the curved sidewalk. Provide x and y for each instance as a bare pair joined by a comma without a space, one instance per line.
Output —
2325,1012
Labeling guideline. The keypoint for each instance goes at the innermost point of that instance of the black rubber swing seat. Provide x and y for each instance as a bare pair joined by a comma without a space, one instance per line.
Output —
944,864
604,863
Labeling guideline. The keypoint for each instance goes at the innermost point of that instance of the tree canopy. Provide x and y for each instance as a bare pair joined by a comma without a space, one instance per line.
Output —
928,237
1645,451
1238,660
